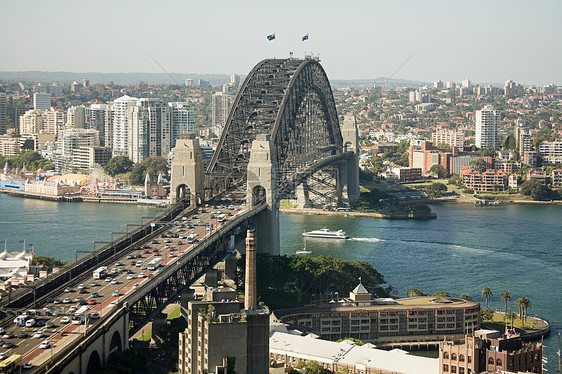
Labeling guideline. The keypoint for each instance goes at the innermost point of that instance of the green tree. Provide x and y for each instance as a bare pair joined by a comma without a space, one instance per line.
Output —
537,190
413,292
488,152
519,304
480,165
487,314
439,171
118,165
466,296
441,294
506,297
151,166
509,142
525,304
486,294
312,367
436,189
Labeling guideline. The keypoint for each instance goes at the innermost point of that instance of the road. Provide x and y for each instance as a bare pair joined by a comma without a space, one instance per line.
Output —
125,273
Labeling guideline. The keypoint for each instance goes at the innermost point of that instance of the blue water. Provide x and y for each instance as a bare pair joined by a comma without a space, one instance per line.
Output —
515,248
60,229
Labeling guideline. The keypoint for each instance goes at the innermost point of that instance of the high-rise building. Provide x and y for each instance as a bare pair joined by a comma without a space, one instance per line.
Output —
183,120
235,80
188,82
76,117
41,100
466,83
149,130
120,124
31,122
487,127
54,121
451,137
98,119
220,107
72,139
3,114
438,84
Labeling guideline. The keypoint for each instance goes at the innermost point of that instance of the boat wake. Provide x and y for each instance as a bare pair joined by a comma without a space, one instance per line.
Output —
371,240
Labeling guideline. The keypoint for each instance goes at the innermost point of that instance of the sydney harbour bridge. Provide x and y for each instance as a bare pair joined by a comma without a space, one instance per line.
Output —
282,140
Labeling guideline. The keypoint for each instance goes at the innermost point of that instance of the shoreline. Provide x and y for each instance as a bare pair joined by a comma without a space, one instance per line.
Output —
473,201
431,215
81,199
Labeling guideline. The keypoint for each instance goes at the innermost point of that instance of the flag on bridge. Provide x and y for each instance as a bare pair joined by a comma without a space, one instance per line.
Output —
305,37
271,37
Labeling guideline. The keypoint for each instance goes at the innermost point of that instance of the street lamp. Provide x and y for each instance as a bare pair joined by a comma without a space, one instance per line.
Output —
113,241
96,251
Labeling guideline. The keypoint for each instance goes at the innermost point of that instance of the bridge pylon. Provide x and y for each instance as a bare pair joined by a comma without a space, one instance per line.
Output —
188,180
351,170
262,187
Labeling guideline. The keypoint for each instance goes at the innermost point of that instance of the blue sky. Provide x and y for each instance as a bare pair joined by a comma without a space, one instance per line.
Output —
485,41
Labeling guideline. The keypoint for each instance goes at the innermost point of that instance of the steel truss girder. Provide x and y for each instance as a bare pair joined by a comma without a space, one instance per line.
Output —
147,307
291,100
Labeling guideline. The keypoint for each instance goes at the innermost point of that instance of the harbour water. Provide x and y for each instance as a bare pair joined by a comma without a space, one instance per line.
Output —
508,247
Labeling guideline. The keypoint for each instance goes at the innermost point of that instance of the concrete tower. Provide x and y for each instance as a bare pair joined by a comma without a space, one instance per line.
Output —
250,299
262,187
187,171
351,143
487,127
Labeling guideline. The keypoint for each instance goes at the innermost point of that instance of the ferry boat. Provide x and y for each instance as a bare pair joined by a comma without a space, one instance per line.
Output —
326,234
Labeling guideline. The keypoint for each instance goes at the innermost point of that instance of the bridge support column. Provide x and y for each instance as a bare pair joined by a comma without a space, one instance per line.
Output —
351,143
303,195
188,180
262,187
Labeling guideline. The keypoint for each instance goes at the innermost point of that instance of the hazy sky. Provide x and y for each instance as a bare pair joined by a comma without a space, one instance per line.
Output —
485,41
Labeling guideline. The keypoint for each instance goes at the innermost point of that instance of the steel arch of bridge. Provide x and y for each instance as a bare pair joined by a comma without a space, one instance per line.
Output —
290,99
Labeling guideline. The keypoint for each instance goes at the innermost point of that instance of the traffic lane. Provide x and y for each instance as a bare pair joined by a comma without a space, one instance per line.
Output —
106,290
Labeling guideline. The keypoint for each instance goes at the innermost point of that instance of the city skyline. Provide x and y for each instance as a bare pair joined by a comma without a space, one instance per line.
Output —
422,41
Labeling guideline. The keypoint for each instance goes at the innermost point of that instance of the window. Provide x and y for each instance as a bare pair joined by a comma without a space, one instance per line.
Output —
461,370
453,356
445,367
499,362
461,358
491,361
453,369
445,355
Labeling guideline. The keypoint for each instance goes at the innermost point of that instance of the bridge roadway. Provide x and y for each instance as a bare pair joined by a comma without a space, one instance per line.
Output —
128,285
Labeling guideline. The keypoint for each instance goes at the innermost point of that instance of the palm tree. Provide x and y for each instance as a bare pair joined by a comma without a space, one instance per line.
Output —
506,297
525,304
486,294
519,304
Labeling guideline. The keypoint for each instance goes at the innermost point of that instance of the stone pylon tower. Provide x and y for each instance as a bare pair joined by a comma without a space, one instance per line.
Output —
262,187
351,143
188,180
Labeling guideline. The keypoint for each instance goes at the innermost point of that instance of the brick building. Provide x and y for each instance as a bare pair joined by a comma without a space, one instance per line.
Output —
490,351
490,180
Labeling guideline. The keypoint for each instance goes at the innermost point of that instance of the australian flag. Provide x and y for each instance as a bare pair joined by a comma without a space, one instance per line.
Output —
271,37
305,37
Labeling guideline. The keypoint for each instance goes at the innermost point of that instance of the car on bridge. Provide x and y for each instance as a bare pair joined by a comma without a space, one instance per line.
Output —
38,335
91,301
67,300
45,344
65,319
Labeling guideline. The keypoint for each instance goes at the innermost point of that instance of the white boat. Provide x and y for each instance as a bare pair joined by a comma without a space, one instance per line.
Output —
326,234
303,251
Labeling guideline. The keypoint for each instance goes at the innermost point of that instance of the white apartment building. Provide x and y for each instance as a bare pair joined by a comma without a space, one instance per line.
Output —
487,127
77,117
450,137
73,139
551,152
3,114
183,120
41,100
120,124
98,120
150,130
31,122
